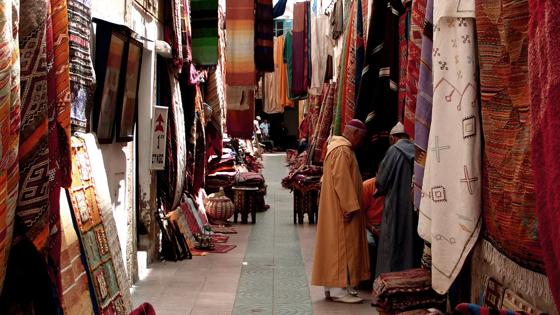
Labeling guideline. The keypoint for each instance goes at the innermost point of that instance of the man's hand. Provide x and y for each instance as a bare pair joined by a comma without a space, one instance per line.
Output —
348,216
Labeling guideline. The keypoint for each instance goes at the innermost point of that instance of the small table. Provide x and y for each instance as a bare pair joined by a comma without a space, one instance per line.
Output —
246,201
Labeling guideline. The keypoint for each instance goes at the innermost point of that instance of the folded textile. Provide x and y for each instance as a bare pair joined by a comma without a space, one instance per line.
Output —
406,290
249,179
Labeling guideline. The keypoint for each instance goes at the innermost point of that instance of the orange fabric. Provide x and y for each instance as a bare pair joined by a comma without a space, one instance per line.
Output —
372,205
281,72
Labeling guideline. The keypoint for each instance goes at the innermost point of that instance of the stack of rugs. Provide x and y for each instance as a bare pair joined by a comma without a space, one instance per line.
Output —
306,178
406,290
221,173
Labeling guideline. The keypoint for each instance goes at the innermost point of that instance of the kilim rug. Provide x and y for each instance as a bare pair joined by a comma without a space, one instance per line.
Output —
33,199
403,58
324,125
92,211
52,246
346,94
240,52
450,208
510,215
413,64
544,71
204,21
82,76
423,115
216,99
264,34
9,126
76,298
61,128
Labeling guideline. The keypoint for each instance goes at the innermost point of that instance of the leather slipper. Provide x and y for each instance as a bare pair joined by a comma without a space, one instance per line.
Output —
348,299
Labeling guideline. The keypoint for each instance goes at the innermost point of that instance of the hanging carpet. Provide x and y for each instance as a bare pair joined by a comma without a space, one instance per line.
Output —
82,76
423,115
264,34
544,72
240,52
413,64
241,112
324,125
33,199
450,208
510,216
9,126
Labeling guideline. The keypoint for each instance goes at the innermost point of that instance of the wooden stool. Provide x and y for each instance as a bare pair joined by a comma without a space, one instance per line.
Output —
246,201
306,202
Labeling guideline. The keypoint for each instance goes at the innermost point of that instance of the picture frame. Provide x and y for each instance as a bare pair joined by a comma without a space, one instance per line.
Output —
128,109
111,47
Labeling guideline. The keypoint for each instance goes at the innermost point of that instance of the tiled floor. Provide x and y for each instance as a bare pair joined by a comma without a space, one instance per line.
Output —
268,273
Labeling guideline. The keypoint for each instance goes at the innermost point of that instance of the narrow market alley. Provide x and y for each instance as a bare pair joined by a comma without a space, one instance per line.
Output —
268,273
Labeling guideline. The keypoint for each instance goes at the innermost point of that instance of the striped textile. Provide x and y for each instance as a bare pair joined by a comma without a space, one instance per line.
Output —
264,34
92,211
9,126
377,100
204,22
82,76
544,71
423,114
240,52
509,194
241,112
33,199
413,64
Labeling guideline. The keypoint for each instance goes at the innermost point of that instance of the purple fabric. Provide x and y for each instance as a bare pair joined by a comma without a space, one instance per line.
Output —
423,105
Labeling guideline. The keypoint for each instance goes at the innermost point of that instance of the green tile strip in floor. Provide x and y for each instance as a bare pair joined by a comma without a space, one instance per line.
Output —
274,280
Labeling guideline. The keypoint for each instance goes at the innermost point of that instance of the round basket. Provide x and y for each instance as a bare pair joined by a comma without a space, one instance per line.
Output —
219,207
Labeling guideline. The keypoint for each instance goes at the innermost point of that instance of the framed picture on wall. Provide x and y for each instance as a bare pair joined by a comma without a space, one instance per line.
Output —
129,105
111,46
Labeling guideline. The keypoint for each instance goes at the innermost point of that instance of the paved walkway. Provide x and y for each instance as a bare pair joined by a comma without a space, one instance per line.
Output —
268,273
